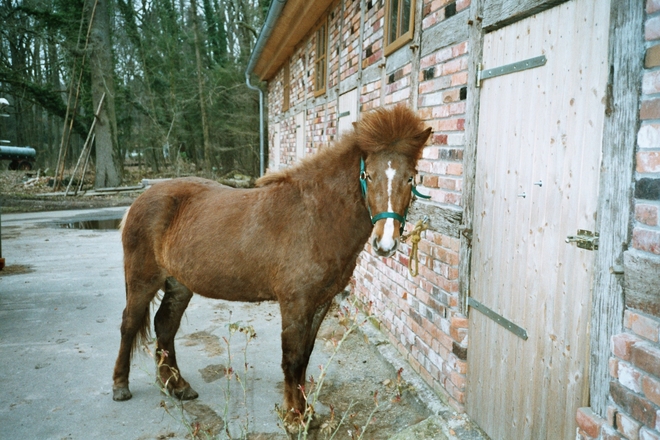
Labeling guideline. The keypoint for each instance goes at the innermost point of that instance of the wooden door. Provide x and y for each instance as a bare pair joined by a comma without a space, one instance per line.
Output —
538,158
348,109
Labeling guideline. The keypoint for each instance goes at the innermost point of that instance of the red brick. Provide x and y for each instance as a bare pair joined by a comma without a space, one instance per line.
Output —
637,407
614,367
643,326
648,137
651,389
650,109
629,377
652,6
646,357
648,162
622,343
652,28
459,321
589,422
647,214
647,240
627,426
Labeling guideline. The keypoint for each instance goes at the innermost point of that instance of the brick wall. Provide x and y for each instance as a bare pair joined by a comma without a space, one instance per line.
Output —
420,314
350,39
334,45
299,78
634,412
372,38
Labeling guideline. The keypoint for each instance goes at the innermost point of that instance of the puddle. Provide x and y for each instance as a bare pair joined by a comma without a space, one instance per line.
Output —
105,224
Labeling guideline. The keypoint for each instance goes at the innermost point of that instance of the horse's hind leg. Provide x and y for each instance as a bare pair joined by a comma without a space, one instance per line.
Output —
135,322
167,321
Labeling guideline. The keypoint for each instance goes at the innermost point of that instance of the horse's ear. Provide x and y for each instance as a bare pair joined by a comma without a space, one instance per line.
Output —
421,137
355,125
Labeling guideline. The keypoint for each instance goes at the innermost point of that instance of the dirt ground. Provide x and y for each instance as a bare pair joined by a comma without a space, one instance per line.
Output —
20,192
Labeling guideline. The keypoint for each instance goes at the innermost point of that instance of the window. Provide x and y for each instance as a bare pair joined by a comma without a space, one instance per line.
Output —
321,62
399,23
286,87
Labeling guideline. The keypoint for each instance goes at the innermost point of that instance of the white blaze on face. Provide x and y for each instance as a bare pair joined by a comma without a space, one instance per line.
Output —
387,240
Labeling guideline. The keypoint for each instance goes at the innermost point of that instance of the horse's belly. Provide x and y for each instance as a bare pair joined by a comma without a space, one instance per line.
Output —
230,288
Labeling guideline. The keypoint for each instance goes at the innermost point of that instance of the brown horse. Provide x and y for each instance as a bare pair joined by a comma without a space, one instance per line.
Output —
295,239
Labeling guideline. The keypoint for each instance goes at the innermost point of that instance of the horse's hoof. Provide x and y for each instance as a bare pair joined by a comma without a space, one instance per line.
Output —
121,394
186,393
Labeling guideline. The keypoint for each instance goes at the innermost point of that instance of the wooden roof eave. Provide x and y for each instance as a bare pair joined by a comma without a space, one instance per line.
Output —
297,18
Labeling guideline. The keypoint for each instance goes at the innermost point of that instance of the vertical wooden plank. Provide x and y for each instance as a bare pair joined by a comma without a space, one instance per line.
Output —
475,45
619,136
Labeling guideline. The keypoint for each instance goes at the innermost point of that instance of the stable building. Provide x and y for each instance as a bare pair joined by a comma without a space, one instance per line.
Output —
537,305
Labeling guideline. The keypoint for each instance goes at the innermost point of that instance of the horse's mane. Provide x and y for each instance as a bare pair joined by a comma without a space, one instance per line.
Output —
311,164
397,129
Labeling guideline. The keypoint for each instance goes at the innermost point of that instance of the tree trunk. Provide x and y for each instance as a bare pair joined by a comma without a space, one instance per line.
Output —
108,164
200,85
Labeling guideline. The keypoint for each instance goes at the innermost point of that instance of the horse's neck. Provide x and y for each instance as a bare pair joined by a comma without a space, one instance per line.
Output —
333,184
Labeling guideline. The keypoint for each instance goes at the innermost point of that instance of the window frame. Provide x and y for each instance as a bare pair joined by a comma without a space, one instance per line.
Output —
402,39
321,30
286,85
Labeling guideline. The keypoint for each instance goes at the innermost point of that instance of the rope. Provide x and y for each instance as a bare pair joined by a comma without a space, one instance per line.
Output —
415,236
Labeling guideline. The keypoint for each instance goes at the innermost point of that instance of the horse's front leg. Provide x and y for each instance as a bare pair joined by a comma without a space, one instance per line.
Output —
299,329
167,321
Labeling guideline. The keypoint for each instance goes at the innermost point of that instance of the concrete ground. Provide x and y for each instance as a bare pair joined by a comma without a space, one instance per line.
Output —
61,299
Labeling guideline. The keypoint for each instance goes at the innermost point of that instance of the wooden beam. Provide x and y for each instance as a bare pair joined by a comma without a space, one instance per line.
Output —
499,13
443,220
298,18
446,33
475,55
641,276
626,54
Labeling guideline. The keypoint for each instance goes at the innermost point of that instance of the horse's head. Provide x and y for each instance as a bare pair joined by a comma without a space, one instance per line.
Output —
392,142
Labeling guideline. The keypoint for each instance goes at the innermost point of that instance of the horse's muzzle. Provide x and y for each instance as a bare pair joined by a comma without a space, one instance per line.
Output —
384,251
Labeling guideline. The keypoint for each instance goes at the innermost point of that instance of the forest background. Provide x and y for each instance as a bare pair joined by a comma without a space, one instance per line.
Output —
165,79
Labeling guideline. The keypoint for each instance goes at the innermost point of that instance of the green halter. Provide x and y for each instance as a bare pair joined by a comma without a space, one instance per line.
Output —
385,214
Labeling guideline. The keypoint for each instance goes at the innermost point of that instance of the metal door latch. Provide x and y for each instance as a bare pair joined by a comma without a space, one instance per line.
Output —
584,239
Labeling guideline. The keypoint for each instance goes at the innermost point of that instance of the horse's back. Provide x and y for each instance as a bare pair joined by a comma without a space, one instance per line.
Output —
155,212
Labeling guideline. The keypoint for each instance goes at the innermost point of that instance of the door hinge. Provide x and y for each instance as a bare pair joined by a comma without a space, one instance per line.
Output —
509,68
584,239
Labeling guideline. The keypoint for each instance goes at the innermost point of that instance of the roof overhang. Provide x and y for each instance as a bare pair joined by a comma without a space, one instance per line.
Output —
287,23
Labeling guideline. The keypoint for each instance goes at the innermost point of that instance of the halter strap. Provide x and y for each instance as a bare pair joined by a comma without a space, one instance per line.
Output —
385,214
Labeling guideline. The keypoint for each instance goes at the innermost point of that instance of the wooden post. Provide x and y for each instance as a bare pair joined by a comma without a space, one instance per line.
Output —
621,123
476,45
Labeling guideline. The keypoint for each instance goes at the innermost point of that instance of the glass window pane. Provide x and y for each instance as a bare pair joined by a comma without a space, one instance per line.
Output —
394,20
405,17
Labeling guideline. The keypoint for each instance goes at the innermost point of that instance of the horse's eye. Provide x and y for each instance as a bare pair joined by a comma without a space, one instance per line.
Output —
410,180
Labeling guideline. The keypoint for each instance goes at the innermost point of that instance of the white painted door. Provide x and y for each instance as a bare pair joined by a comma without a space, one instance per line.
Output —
300,135
538,158
348,111
275,151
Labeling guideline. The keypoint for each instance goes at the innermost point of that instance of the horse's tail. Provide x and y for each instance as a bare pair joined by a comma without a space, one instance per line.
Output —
123,220
143,336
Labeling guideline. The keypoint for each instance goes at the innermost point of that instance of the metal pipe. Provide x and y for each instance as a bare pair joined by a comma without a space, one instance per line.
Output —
274,12
261,123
